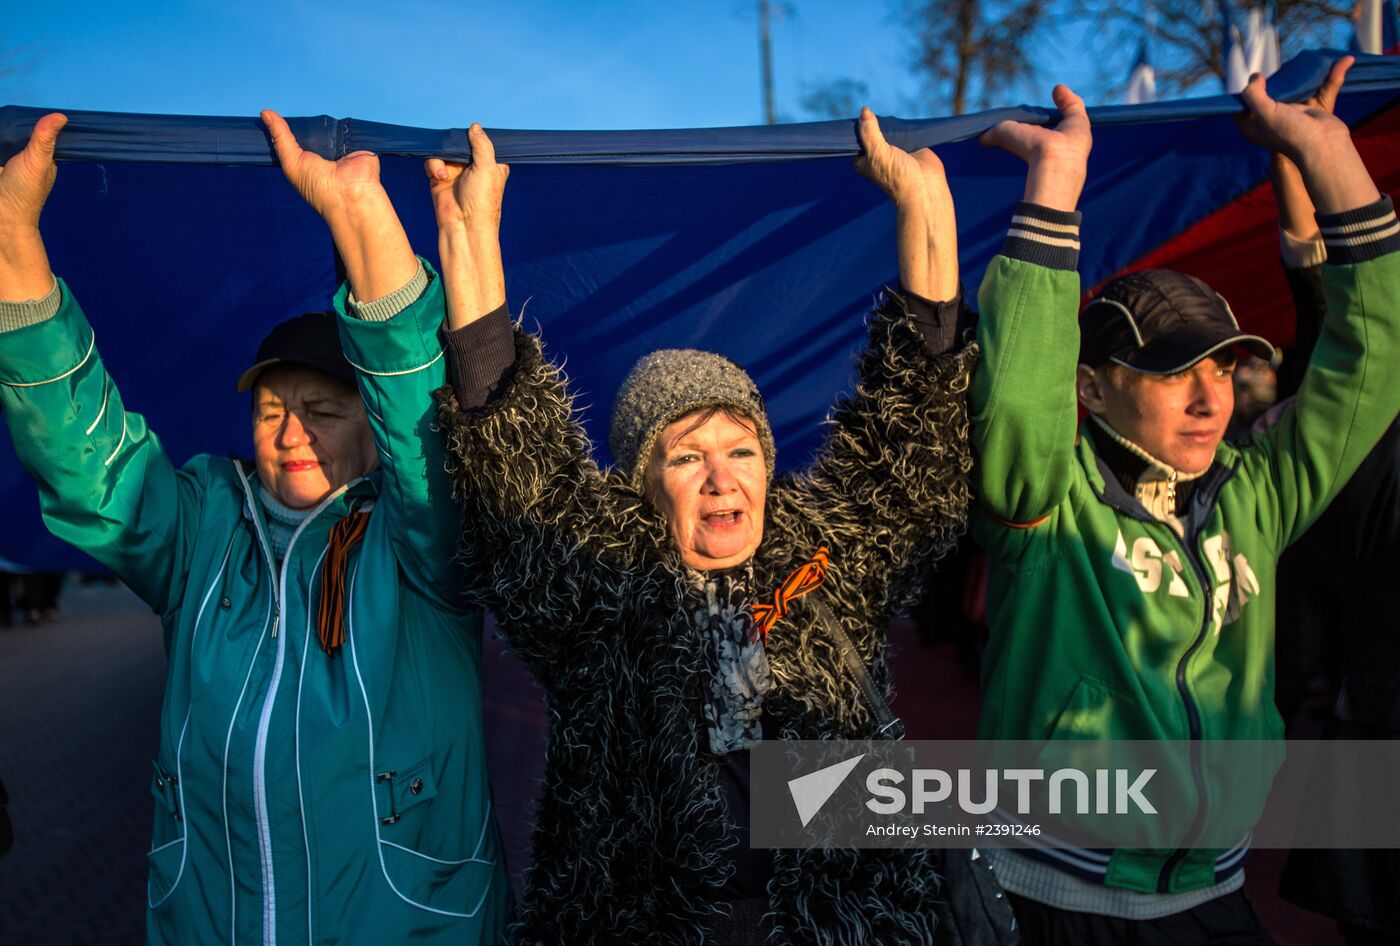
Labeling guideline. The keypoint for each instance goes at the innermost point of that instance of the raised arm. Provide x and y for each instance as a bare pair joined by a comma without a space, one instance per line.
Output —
1023,400
889,490
349,197
1351,391
467,202
105,484
547,540
926,231
391,314
25,183
1316,142
1301,246
1303,252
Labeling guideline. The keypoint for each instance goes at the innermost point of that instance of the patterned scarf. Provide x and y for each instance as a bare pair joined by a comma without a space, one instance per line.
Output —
738,665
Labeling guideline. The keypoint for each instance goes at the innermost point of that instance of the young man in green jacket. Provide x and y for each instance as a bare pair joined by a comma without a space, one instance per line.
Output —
1131,593
320,776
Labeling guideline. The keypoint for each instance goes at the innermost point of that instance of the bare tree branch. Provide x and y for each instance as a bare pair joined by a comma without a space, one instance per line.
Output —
16,61
835,98
971,51
966,52
1186,37
979,53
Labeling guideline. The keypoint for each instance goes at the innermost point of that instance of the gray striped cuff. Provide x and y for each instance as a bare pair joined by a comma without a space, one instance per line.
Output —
1300,254
386,307
1356,236
1043,236
15,315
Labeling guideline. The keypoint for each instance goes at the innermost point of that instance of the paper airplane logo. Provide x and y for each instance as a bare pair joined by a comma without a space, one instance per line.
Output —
810,791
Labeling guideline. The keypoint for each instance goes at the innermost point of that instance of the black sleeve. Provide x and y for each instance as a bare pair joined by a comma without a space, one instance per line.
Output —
889,490
1310,307
942,324
483,359
550,543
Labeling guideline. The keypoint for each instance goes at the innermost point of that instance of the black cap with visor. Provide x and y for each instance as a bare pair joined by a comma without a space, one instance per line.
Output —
1159,321
312,339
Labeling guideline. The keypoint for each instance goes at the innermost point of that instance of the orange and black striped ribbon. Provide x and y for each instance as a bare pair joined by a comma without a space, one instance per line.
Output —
330,616
805,578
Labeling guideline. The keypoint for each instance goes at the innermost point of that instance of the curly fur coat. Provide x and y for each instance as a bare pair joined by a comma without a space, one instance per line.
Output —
631,842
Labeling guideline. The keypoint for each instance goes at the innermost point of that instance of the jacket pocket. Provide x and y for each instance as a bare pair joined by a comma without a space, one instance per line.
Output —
402,790
1095,710
165,862
450,886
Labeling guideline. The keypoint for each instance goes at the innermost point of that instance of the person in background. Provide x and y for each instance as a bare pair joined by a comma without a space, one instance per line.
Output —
1306,652
1338,609
1256,390
1133,566
38,598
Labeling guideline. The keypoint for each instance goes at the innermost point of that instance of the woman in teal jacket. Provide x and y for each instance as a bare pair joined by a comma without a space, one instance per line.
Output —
321,774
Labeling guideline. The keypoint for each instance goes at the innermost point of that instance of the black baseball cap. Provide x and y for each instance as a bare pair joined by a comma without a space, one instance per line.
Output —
1160,321
312,339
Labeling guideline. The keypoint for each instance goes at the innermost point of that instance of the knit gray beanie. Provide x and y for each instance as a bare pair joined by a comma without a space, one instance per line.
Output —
667,385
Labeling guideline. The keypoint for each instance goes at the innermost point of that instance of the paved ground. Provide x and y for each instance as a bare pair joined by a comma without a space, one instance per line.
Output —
79,701
79,706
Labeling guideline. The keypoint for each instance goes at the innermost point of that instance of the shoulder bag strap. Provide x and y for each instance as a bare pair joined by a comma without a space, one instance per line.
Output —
890,725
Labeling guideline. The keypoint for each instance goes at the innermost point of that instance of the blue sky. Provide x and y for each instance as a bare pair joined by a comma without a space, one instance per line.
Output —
526,64
434,63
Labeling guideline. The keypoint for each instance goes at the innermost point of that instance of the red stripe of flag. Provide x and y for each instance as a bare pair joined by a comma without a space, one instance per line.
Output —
1235,249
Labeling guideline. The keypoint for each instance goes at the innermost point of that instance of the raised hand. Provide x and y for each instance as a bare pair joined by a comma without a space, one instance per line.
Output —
349,197
1295,207
926,226
467,201
1293,130
1057,157
25,183
469,196
900,174
1326,97
27,178
1314,139
330,187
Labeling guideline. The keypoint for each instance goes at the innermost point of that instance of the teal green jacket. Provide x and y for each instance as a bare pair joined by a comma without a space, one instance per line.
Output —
1105,624
299,798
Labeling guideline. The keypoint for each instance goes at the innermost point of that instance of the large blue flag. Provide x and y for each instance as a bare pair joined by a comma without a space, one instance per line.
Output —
184,244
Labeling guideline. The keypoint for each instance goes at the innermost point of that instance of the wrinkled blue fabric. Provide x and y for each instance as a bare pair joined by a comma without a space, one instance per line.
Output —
186,245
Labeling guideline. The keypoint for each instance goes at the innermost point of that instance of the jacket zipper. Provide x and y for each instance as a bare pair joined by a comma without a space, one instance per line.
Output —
1193,715
265,719
1193,722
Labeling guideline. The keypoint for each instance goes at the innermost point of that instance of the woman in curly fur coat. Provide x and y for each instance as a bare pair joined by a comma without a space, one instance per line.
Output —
637,595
